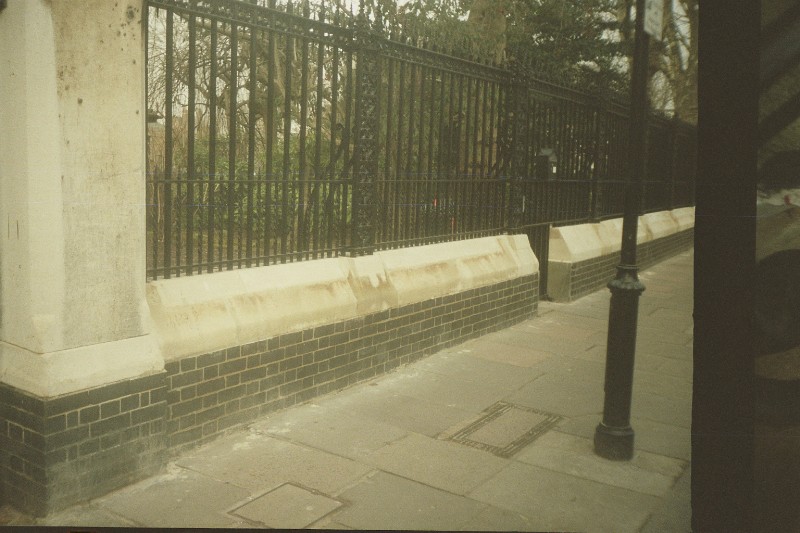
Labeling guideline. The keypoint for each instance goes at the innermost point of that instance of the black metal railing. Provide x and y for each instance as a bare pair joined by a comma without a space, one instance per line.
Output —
282,133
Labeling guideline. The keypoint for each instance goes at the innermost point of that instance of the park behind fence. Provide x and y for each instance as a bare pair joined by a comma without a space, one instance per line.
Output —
278,134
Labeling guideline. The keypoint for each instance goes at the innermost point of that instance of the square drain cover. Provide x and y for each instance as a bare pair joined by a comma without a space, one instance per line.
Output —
506,428
287,507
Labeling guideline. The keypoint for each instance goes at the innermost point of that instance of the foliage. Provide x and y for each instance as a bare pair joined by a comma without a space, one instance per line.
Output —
575,39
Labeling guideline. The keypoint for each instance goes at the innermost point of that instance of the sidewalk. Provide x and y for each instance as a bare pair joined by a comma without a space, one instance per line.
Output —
415,449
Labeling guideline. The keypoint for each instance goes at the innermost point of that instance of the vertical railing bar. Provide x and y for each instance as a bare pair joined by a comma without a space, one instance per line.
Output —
272,138
388,182
168,140
332,182
494,129
303,173
400,212
212,144
475,208
287,136
233,94
573,175
440,176
251,144
348,174
452,158
409,175
466,175
419,201
459,171
190,163
151,222
429,177
318,143
490,160
484,122
259,174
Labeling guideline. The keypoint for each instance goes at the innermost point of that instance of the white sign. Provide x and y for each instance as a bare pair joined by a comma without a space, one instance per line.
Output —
653,17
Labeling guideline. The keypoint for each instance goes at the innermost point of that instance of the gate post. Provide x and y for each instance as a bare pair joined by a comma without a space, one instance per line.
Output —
365,171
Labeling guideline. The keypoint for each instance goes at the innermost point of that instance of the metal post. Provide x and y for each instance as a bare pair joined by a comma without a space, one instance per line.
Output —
613,437
518,100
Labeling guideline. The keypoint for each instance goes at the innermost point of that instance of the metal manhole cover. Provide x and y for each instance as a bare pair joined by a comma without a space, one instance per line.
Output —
506,428
288,506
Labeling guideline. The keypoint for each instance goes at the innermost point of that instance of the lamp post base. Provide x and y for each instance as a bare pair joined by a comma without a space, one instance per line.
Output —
613,443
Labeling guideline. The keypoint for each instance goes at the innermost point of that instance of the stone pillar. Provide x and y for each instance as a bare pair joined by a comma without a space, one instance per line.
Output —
73,314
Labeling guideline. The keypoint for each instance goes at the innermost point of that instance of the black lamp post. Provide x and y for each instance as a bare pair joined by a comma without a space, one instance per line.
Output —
613,438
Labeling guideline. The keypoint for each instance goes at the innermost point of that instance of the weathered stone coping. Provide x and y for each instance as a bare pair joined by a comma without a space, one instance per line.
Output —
572,244
204,313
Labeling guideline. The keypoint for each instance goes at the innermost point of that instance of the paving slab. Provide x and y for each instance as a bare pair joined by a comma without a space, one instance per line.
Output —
462,365
589,309
330,429
258,463
674,316
593,353
495,519
388,502
561,502
287,507
565,326
178,498
671,515
87,516
663,365
516,356
650,436
561,397
472,396
537,340
411,414
662,385
654,343
677,368
443,464
571,368
646,473
646,405
582,325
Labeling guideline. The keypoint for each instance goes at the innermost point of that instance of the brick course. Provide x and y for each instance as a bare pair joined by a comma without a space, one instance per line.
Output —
59,451
275,373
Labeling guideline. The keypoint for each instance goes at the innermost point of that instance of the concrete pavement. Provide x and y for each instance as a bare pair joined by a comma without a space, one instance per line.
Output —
493,434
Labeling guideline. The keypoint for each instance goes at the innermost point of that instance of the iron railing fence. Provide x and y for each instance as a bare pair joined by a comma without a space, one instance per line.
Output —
282,133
